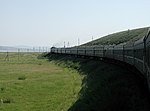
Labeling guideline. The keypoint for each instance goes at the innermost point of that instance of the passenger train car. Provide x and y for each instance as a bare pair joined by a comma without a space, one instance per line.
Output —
136,54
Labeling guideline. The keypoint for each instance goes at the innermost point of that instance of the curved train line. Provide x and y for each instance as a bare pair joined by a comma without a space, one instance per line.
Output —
136,54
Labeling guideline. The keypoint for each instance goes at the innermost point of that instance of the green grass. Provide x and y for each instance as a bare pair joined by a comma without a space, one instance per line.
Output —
106,86
120,37
31,84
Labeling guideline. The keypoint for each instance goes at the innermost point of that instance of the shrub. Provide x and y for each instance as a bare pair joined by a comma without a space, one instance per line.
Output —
2,89
6,100
22,78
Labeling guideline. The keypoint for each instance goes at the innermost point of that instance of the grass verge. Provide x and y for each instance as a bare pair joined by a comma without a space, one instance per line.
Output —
31,84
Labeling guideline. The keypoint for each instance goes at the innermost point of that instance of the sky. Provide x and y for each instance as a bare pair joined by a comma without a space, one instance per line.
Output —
53,22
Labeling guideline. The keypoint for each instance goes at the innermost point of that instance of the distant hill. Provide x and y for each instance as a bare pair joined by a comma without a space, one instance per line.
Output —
7,48
120,37
23,49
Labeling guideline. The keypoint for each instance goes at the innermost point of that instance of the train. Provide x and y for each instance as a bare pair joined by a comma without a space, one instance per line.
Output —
136,53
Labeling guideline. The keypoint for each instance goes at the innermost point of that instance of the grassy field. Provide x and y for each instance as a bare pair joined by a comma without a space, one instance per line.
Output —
120,37
106,86
62,83
31,84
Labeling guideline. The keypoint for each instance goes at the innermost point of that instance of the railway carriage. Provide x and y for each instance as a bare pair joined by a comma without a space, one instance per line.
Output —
54,49
59,50
81,51
74,50
118,52
89,51
139,55
68,50
147,59
129,53
109,51
99,51
63,50
147,43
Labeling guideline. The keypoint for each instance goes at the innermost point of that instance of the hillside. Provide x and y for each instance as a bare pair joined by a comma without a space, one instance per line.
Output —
120,37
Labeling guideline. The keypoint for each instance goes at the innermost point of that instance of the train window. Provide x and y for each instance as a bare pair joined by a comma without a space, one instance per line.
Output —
139,54
128,52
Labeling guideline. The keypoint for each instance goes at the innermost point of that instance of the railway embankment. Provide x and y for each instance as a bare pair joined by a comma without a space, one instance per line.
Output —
105,86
